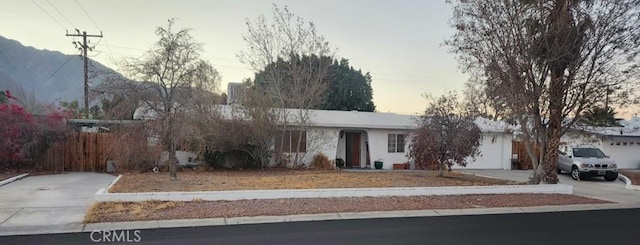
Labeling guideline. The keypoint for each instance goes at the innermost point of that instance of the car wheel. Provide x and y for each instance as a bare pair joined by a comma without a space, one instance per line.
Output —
611,177
559,170
575,173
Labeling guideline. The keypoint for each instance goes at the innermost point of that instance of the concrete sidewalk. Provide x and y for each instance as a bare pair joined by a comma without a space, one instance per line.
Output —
48,203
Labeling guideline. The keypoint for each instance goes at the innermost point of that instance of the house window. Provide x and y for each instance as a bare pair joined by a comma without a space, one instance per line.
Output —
288,141
395,143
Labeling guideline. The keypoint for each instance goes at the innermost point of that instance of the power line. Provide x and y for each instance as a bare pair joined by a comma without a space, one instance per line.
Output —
121,47
64,17
123,54
87,14
95,24
60,68
43,10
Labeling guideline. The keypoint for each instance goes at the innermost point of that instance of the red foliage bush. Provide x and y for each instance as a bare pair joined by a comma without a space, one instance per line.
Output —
23,136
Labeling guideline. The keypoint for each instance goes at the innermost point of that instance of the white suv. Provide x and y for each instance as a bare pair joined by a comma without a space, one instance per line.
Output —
584,161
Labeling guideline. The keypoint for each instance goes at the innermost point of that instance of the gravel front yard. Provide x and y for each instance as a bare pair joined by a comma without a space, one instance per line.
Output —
156,210
292,179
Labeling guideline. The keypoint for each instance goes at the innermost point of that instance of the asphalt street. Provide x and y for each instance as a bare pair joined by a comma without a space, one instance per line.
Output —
580,227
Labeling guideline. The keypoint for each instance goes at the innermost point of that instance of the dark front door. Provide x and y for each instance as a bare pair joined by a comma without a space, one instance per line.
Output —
353,150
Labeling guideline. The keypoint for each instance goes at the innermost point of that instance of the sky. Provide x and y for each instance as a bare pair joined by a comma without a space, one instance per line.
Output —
399,42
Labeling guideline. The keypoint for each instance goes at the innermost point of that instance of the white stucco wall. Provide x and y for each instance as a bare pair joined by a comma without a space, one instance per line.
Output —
341,151
182,156
379,149
627,156
321,140
495,148
495,153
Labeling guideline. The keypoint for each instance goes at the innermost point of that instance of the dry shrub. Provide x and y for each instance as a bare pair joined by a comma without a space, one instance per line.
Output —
321,162
131,149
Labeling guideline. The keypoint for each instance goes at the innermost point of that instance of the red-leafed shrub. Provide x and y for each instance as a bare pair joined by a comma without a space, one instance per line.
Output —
23,136
17,132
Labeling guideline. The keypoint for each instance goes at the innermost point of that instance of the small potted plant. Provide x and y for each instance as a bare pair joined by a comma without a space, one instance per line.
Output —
378,164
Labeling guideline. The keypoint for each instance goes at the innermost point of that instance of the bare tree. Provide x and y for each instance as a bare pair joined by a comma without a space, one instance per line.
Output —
288,39
237,130
478,103
167,85
548,60
444,135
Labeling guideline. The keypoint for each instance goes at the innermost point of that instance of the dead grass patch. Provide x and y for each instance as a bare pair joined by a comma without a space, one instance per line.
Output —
139,210
633,175
133,211
293,179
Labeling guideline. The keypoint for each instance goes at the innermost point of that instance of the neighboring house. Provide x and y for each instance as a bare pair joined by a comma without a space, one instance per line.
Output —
96,125
622,144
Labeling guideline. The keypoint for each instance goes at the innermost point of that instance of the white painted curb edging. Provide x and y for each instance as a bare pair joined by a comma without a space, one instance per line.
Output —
628,185
12,179
103,196
112,183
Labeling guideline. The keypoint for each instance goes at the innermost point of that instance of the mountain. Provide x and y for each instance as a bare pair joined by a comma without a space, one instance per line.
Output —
33,76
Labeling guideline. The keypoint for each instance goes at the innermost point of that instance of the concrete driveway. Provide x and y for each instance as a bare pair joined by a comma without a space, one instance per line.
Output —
48,203
593,187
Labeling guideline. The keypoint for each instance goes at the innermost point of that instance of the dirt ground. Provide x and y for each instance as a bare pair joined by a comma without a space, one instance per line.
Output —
157,210
4,176
633,175
8,173
292,179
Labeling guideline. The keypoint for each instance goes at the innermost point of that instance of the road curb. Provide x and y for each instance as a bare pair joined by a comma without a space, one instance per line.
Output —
224,221
628,184
103,195
14,178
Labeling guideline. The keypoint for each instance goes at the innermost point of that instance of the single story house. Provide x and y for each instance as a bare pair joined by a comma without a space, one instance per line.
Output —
622,144
361,138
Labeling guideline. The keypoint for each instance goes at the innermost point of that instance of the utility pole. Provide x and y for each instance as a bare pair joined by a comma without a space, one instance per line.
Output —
84,47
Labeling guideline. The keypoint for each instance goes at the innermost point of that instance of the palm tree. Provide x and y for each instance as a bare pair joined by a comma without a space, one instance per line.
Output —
561,26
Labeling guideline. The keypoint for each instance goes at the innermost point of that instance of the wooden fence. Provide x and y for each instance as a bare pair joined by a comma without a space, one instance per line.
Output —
522,159
80,152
